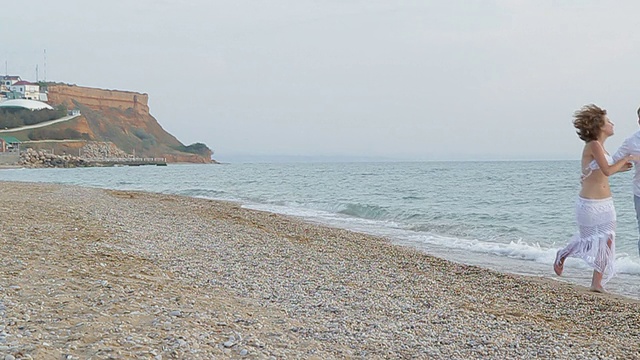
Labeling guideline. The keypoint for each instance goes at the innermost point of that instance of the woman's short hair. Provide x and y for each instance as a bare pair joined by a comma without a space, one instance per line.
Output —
589,121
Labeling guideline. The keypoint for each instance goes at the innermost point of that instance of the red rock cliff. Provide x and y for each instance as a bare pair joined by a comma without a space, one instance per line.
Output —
99,98
121,117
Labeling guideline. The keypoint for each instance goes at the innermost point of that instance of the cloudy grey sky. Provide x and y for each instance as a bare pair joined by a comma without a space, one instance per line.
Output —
422,80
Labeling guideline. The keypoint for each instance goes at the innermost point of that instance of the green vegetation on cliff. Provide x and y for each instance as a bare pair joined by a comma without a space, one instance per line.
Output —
196,148
56,134
11,118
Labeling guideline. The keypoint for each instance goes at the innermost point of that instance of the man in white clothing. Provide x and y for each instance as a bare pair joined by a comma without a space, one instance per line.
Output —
631,146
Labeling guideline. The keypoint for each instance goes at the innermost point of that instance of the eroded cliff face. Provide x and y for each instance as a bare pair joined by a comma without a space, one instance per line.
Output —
121,117
99,98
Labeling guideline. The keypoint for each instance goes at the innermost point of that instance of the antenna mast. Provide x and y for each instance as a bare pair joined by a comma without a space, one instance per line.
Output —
45,65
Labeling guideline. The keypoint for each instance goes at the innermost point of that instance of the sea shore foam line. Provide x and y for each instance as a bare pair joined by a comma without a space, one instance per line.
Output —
512,252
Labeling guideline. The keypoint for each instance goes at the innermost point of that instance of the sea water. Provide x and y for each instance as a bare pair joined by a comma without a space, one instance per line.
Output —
510,216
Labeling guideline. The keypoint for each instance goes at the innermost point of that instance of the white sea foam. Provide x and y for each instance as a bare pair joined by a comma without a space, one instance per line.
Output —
515,250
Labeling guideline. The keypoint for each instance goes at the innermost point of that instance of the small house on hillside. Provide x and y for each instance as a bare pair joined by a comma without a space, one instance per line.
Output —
28,89
8,80
9,144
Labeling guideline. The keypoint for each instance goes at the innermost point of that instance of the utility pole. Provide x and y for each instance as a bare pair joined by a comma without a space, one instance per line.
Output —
45,65
36,72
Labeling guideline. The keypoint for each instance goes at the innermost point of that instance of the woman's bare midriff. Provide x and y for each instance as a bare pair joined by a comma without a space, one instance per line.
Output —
595,186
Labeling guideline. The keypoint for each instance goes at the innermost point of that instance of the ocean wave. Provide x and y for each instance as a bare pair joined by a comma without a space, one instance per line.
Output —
198,192
517,249
626,264
364,211
412,197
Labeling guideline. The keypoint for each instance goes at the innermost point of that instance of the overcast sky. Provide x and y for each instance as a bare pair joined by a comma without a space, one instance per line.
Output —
422,80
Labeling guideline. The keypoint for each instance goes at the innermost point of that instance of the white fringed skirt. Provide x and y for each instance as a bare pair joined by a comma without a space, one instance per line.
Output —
595,241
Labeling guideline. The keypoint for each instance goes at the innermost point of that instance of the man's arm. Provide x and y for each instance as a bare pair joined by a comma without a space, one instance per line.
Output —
624,149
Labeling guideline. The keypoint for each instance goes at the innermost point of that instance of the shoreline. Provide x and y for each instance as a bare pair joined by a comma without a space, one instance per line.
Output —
109,273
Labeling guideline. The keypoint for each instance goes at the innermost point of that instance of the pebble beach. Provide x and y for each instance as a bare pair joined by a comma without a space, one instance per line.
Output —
90,273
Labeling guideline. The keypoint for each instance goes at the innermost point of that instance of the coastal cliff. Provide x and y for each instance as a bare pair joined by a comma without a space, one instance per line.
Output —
119,117
98,98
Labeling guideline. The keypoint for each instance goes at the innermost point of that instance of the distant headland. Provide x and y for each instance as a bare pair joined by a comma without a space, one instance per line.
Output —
71,120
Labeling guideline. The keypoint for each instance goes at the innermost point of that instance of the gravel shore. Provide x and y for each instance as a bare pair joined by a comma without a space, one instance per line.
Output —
100,274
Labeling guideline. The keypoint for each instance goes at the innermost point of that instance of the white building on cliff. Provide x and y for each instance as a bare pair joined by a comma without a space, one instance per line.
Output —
13,87
29,90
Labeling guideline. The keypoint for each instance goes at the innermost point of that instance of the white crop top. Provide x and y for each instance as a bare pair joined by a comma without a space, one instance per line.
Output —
593,165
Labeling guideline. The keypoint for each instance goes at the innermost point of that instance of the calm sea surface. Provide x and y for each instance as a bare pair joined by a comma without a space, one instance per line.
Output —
509,216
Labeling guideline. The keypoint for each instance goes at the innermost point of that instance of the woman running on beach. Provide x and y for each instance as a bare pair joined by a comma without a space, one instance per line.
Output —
595,214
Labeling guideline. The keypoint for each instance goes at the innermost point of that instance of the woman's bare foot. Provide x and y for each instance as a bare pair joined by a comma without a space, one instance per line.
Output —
598,289
558,264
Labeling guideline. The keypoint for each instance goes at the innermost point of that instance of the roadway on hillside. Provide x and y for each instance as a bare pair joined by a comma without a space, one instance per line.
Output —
42,124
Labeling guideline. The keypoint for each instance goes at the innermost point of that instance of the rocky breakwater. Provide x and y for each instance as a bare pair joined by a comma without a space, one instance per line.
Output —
96,150
39,159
